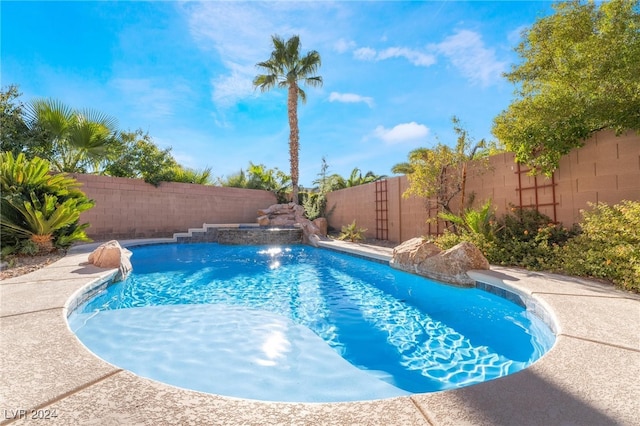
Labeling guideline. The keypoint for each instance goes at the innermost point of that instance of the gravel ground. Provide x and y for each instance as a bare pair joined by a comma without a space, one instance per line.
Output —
15,266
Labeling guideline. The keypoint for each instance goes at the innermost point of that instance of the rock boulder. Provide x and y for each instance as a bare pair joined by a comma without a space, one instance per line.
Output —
450,266
112,255
322,225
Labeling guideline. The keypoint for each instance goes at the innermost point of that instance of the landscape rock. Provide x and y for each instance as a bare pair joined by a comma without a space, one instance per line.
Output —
293,215
112,255
313,240
426,259
412,252
322,225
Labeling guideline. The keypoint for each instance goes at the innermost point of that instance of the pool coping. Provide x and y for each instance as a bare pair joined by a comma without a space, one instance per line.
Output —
586,378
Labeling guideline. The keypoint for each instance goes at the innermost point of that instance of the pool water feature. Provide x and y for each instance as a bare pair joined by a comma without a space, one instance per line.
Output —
295,323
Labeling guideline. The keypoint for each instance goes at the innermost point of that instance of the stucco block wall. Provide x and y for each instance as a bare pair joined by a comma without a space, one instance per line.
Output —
132,208
606,169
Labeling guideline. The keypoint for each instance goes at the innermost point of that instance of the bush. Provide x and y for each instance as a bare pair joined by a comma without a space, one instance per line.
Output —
29,248
314,205
38,206
527,238
523,238
609,246
606,244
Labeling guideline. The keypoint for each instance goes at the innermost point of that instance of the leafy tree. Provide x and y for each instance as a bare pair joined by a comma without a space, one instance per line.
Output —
14,132
439,174
37,206
356,178
75,141
258,176
580,73
137,156
187,175
236,180
285,68
334,181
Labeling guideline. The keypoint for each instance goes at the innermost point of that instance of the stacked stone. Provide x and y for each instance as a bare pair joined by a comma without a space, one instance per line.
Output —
293,215
281,215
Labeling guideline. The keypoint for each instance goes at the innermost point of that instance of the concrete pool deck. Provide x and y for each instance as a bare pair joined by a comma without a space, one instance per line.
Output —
590,377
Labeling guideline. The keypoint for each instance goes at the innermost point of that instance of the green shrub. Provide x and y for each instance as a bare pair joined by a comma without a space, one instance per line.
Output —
523,238
39,206
29,248
7,250
471,221
314,205
609,246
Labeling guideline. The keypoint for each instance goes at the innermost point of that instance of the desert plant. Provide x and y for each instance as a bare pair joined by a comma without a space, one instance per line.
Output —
474,221
352,233
39,206
38,220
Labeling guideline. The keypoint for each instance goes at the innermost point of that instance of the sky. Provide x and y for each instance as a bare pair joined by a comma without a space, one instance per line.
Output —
394,74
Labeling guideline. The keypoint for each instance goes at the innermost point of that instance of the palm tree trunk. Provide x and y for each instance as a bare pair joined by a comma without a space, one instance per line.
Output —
294,138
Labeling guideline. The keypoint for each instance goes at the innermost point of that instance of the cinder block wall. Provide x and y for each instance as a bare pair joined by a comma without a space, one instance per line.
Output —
132,208
606,169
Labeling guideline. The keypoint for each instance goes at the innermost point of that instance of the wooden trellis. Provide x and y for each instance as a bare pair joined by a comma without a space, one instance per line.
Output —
382,210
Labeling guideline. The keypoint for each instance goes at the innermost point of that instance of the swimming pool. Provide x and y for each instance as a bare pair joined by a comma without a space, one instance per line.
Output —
301,324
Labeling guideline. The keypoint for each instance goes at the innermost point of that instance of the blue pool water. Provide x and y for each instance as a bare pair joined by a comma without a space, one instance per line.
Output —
301,324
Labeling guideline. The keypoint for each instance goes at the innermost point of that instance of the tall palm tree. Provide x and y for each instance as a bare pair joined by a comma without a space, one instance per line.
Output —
285,68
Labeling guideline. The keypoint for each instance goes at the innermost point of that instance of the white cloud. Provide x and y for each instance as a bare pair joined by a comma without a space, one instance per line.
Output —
215,26
229,88
413,56
364,54
350,98
343,45
150,98
515,36
467,52
238,35
405,132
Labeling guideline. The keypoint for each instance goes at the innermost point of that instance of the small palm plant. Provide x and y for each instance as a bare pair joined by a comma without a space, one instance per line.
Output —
352,233
471,220
39,207
39,220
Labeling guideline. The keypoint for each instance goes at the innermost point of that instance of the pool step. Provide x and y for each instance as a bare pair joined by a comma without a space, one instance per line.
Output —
259,236
208,233
239,233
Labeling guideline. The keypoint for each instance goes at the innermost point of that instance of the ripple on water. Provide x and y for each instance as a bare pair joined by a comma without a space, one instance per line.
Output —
293,324
228,350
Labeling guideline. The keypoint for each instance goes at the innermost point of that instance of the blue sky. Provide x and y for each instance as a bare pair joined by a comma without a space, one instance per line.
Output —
394,74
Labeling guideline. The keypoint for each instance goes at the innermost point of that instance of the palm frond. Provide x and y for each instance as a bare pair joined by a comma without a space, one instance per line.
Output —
52,115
